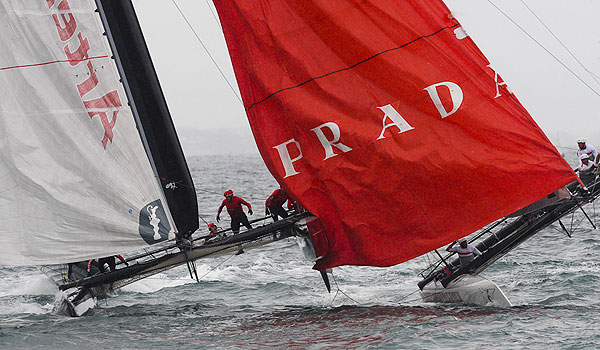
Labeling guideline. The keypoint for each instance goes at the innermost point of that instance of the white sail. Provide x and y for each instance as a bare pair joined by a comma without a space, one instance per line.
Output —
75,180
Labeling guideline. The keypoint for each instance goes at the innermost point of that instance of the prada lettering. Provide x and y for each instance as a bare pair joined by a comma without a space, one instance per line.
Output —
329,135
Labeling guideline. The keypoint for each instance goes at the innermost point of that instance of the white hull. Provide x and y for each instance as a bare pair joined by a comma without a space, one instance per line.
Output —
468,289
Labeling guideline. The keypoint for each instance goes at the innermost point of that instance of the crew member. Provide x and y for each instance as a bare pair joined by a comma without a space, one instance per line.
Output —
273,204
212,233
110,260
234,208
587,170
212,229
465,251
585,148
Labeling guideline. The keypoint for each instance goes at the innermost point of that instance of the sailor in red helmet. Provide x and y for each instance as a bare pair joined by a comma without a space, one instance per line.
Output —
212,228
234,208
212,233
273,204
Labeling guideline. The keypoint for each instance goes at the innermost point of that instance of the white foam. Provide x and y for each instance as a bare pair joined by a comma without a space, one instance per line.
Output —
20,305
29,284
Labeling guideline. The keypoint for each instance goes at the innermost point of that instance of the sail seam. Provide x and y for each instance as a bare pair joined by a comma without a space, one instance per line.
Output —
52,62
352,66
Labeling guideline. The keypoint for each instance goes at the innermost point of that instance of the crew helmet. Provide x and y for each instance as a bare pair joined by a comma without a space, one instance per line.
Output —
581,140
228,193
584,156
212,228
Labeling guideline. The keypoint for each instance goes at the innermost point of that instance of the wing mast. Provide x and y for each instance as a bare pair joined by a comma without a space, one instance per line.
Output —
150,110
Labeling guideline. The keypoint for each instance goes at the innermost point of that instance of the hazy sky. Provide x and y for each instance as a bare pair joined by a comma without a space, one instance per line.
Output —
202,103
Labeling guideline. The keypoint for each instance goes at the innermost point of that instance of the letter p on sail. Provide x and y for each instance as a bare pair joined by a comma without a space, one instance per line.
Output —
286,159
456,95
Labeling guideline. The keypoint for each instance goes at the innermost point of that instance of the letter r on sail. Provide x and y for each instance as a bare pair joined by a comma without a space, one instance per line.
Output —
456,95
286,159
328,144
397,120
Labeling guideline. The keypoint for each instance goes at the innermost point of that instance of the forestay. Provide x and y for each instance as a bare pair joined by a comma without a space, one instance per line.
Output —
385,120
75,179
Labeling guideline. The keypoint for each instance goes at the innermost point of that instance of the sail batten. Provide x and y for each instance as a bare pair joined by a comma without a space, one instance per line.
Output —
51,62
400,154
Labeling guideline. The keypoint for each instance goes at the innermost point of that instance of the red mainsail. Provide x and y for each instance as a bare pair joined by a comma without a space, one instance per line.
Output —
384,120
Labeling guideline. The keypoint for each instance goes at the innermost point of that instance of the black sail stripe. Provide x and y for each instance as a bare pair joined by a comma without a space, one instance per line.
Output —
352,66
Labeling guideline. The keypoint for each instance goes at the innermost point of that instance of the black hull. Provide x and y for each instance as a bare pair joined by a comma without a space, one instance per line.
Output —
170,256
503,239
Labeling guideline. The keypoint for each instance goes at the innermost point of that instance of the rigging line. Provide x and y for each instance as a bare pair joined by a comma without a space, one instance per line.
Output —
563,45
214,15
332,300
341,291
573,228
208,52
201,218
208,191
221,263
545,49
567,147
242,246
407,295
253,198
354,65
416,299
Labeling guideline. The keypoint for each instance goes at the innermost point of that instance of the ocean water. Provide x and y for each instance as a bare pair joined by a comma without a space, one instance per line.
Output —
271,298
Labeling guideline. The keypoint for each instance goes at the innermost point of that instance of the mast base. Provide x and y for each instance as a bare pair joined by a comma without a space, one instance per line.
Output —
467,289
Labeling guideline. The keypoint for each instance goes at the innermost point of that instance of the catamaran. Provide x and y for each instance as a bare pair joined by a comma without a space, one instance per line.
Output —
90,161
369,113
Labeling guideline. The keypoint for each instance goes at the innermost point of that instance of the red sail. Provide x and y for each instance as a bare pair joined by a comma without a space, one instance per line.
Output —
384,120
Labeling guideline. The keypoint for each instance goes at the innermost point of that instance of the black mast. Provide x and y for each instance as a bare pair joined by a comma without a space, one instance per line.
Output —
151,112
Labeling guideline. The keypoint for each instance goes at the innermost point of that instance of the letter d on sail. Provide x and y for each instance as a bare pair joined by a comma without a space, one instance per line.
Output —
456,95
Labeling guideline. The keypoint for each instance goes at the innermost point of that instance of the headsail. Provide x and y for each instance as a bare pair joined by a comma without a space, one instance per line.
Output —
76,181
385,120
